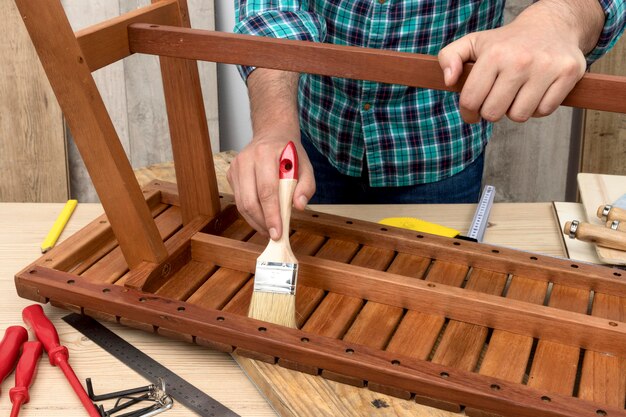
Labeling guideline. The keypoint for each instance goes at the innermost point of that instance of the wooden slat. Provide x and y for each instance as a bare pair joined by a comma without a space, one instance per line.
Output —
603,378
482,309
555,365
369,364
93,131
594,91
107,42
189,132
478,255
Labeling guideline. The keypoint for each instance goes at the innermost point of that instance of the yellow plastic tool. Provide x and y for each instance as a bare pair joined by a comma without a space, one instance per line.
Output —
420,226
58,226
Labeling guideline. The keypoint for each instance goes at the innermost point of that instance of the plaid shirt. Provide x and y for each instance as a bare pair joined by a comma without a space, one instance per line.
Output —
402,135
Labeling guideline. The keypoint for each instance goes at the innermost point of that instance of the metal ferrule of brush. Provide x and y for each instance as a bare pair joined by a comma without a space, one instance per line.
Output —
276,277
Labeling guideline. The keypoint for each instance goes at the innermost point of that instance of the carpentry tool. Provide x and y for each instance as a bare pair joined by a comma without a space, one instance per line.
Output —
599,235
58,226
273,298
481,216
179,389
610,212
24,375
46,333
14,337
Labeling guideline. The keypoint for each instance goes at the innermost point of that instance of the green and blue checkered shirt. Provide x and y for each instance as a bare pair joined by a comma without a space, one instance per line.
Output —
403,135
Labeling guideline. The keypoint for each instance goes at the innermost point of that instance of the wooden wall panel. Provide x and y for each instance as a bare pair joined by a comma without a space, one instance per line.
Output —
604,140
32,145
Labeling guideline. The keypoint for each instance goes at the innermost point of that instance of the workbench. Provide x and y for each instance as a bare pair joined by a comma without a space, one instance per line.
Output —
526,226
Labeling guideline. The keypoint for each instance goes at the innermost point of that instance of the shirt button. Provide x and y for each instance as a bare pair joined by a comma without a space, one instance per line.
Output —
367,106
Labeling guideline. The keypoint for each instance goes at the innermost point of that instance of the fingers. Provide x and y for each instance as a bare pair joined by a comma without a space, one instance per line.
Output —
452,57
266,171
242,180
476,90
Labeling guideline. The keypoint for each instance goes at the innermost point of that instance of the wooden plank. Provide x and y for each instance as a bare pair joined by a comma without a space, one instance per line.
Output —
554,364
32,150
369,364
93,131
189,133
481,309
603,379
107,42
112,266
605,133
594,91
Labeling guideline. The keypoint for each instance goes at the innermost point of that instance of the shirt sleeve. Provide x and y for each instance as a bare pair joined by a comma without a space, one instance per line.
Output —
285,19
615,21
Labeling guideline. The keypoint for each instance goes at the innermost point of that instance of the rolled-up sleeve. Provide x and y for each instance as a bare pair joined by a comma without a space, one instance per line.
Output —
285,19
615,21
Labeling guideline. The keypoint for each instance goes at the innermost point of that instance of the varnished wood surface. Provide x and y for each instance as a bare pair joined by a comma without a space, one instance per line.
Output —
27,224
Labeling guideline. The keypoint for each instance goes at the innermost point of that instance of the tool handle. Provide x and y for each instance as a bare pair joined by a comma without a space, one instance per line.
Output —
10,345
607,212
288,163
599,235
46,333
25,372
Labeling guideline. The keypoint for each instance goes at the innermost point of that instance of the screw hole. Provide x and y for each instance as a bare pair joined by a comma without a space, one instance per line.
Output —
143,299
574,266
262,329
617,274
103,221
546,399
420,236
80,60
220,318
601,412
495,387
349,351
106,290
181,308
154,26
444,375
32,271
456,244
495,251
304,340
395,362
314,215
384,229
431,285
48,259
613,324
349,222
71,281
533,258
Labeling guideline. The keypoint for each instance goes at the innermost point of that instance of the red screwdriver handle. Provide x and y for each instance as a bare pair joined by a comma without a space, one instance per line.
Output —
25,372
10,345
46,333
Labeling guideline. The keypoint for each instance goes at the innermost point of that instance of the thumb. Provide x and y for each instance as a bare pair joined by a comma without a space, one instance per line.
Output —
306,185
452,57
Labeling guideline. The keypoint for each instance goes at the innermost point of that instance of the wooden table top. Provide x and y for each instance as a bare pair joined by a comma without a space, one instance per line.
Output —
531,226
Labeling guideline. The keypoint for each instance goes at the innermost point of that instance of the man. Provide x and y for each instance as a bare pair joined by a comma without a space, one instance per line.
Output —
377,143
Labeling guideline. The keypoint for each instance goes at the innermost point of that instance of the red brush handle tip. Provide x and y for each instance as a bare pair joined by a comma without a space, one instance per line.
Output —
289,163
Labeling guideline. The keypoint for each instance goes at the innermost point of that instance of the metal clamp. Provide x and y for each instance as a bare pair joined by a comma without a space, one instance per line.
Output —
605,212
573,229
614,224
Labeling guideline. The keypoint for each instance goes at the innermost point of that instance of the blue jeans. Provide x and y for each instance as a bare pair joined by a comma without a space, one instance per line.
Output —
333,187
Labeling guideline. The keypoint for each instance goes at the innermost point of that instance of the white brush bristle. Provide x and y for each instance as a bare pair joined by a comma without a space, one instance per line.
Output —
274,308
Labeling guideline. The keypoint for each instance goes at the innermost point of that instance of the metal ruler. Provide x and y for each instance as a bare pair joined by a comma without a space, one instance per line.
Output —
179,389
481,216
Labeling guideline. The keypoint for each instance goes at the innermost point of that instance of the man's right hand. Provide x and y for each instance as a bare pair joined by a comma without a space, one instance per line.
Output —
253,174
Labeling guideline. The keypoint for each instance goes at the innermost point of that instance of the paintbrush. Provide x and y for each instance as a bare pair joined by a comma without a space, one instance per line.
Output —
274,295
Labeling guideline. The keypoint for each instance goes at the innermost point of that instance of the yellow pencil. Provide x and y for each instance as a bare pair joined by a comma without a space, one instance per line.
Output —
58,226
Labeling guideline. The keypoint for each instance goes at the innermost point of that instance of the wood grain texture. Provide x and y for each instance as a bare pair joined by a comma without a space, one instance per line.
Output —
32,148
605,133
99,144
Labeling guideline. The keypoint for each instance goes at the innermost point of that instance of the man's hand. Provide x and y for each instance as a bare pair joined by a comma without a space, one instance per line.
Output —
527,67
253,174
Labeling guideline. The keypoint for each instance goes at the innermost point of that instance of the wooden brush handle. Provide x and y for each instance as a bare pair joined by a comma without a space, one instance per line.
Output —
607,212
599,235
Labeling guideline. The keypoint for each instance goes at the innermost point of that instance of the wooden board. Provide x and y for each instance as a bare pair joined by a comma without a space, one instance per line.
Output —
597,190
32,149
